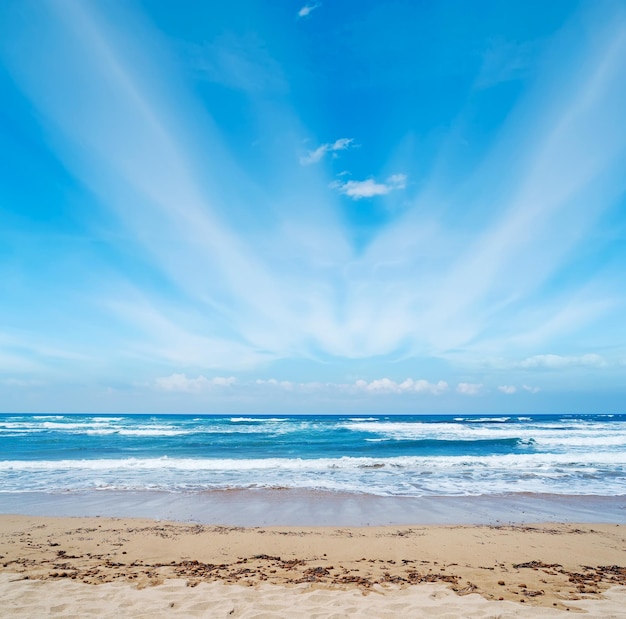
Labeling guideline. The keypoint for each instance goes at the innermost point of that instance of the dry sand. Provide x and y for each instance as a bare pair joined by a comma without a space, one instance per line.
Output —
143,568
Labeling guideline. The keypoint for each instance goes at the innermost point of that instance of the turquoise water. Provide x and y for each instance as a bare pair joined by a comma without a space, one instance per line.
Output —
378,455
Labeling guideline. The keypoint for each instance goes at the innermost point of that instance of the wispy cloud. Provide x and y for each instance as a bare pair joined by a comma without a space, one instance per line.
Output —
504,61
238,62
562,361
369,188
508,389
235,273
480,283
307,9
549,362
531,389
314,156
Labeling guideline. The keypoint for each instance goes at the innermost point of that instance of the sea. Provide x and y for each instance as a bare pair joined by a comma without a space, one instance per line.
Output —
379,455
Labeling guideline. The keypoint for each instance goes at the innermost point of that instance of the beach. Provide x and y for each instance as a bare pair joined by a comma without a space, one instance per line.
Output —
317,516
312,310
138,567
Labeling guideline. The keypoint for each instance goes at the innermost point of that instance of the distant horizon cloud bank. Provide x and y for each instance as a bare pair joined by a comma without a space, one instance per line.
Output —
180,382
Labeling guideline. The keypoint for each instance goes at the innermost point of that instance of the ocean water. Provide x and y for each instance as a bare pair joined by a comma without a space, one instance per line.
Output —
401,456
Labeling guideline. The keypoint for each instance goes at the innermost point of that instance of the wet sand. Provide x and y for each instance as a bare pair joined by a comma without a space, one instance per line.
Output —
281,507
104,567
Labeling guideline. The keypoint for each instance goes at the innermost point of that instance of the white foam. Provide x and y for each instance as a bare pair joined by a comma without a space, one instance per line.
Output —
48,417
152,432
399,476
533,461
546,435
488,419
106,419
363,419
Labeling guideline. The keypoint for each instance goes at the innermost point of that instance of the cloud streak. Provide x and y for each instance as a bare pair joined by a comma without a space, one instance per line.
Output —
234,273
307,9
315,156
561,361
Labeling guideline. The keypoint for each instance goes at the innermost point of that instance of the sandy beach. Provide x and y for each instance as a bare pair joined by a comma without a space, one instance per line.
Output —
105,567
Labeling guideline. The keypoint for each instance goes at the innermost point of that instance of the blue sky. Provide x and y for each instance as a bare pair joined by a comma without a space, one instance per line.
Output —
279,206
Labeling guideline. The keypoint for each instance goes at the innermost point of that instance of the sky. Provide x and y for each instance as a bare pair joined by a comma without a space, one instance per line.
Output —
275,206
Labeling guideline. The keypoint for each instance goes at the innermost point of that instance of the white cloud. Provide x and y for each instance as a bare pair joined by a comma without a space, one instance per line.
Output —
469,388
223,381
306,387
369,187
386,385
283,384
397,181
181,383
560,361
307,9
314,156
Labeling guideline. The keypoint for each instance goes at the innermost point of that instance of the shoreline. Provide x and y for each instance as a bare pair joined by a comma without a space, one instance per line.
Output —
290,507
552,566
